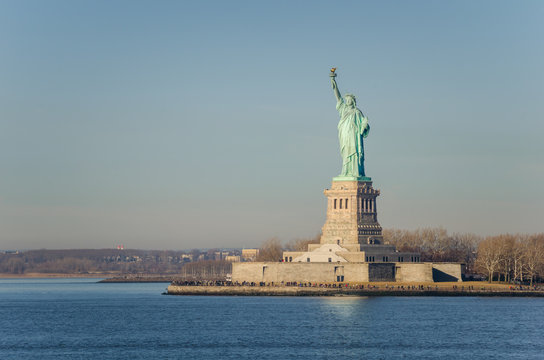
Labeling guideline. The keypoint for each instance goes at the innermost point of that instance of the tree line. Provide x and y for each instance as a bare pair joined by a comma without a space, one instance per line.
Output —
436,245
512,258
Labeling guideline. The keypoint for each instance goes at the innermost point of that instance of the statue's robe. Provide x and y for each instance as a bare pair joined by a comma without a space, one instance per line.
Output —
352,128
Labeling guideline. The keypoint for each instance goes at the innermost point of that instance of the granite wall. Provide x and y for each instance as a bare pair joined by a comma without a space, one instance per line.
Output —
300,272
345,272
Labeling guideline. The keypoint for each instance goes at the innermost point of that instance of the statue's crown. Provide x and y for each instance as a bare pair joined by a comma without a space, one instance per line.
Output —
351,96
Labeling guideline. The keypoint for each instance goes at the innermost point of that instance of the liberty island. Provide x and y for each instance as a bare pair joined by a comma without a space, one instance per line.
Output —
351,257
351,248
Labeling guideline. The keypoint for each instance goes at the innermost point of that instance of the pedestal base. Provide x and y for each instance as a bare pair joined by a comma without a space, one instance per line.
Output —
351,213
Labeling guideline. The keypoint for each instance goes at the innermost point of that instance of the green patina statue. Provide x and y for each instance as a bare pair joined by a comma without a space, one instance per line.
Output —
352,128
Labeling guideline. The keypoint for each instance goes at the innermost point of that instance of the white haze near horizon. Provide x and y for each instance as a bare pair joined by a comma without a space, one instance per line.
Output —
178,125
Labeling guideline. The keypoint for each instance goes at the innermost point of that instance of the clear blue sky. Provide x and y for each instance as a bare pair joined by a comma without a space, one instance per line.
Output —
172,124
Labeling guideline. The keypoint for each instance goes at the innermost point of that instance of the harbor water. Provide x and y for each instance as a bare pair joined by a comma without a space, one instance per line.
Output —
82,319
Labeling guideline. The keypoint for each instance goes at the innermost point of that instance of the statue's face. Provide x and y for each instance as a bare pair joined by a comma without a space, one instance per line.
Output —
349,101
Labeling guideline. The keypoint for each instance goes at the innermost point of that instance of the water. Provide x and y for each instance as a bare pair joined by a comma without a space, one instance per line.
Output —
80,319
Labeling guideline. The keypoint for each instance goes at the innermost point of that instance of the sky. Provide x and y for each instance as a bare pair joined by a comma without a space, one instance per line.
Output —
204,124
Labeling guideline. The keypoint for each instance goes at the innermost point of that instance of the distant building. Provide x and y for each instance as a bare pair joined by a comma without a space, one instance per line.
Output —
11,252
187,257
232,258
250,254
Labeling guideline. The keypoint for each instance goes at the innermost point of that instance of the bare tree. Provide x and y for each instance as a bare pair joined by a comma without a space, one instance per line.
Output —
533,256
490,254
271,250
464,249
434,244
302,244
517,257
507,244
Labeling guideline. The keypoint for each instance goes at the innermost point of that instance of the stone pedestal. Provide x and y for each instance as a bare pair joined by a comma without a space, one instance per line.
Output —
352,218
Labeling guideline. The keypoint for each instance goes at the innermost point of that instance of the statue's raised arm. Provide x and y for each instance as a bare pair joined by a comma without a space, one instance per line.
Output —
334,85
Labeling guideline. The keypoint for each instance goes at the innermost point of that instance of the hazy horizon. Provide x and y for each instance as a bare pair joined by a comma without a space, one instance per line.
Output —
180,125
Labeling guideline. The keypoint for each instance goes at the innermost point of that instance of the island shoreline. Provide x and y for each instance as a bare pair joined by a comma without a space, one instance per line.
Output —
319,292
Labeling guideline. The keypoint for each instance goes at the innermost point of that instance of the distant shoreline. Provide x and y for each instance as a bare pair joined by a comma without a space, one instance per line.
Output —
139,279
103,278
52,276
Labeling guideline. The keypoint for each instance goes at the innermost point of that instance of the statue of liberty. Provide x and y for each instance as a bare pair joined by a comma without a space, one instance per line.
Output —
352,128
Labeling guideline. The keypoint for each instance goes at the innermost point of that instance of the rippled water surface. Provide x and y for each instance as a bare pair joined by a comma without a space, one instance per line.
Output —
81,319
